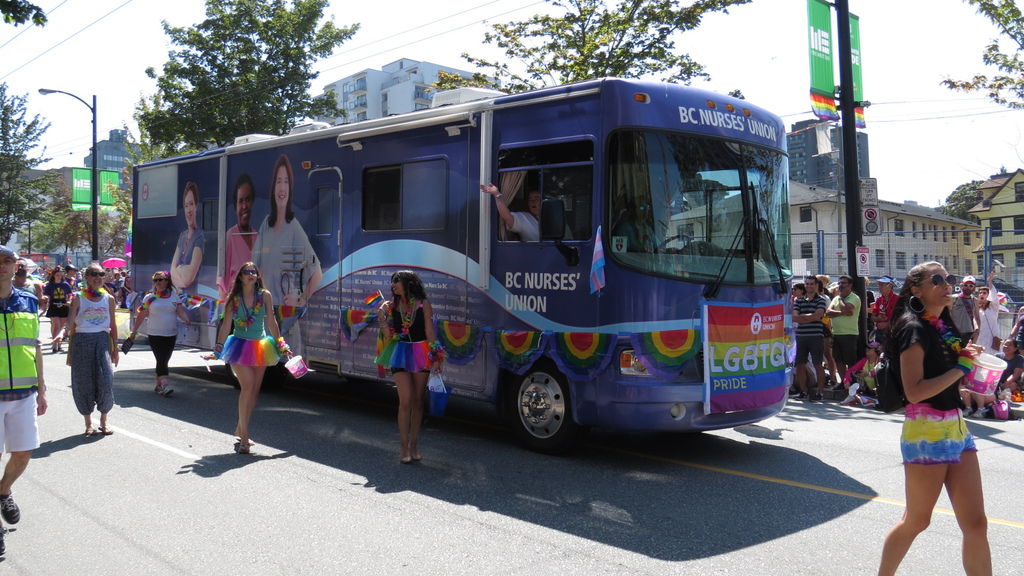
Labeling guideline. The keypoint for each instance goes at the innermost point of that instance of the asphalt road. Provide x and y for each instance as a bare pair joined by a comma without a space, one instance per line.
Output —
811,491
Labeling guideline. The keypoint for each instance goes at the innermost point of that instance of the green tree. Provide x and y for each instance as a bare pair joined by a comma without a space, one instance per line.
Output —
247,68
62,229
19,11
1006,86
19,195
965,197
588,40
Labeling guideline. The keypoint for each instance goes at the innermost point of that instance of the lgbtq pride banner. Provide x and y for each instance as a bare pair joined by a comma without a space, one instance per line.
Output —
744,356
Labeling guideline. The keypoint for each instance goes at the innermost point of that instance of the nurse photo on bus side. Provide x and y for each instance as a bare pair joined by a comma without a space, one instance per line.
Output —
290,267
188,254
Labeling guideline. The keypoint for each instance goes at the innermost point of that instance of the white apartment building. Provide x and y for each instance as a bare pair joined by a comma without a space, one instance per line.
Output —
399,87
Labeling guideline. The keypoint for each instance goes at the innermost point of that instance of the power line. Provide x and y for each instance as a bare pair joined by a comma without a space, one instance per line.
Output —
86,27
27,28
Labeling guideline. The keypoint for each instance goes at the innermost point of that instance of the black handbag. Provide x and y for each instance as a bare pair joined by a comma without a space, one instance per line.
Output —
127,345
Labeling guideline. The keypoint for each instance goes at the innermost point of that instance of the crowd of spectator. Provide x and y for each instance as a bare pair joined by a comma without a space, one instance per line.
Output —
832,353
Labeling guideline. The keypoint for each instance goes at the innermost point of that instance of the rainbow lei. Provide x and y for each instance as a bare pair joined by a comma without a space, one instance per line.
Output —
407,317
148,299
964,363
945,332
88,292
250,315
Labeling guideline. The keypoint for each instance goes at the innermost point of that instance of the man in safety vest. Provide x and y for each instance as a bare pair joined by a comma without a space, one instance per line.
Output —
22,389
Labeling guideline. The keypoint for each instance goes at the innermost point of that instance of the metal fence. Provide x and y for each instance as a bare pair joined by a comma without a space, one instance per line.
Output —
962,252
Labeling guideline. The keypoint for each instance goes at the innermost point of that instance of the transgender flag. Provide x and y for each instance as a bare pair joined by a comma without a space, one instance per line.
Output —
597,264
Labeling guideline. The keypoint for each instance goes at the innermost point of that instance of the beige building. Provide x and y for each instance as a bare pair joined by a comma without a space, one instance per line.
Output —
909,234
1001,212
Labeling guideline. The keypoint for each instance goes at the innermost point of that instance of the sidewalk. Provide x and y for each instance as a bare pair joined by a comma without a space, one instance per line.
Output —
1016,408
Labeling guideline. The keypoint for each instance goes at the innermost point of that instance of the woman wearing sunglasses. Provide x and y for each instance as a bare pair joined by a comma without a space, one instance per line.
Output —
93,331
929,359
162,307
248,349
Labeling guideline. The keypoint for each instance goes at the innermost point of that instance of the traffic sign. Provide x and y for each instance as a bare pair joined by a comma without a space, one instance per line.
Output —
863,261
869,192
870,221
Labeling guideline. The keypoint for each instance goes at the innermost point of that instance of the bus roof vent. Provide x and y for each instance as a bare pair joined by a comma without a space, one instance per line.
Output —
252,138
463,95
310,126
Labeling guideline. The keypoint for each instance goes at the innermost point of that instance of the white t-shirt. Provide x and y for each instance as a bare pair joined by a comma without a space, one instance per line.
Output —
526,226
163,317
92,316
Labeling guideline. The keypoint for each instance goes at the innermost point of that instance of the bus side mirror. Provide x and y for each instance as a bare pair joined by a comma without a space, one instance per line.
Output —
552,220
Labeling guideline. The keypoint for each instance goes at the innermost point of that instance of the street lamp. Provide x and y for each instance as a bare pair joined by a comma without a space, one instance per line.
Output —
95,174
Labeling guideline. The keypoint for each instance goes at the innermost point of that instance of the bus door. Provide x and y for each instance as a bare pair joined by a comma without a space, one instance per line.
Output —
540,282
321,325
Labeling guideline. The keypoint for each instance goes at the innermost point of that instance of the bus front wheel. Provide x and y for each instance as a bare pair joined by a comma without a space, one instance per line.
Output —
542,412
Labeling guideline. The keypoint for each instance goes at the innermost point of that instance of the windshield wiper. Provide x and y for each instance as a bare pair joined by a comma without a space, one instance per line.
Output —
774,253
711,290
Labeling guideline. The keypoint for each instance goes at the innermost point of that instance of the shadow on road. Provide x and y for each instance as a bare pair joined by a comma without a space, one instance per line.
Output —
666,496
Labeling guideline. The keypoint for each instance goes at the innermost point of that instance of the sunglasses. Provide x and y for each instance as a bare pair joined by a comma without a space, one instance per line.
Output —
95,274
159,279
939,280
249,272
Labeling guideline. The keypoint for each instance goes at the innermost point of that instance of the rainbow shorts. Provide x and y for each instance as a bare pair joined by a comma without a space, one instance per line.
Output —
932,436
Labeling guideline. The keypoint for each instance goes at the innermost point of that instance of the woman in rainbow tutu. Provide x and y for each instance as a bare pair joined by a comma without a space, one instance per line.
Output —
248,349
929,360
411,351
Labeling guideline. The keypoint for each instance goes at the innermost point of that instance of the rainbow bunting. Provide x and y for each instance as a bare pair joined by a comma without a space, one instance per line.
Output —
824,107
461,341
353,322
286,312
374,299
582,355
665,353
517,350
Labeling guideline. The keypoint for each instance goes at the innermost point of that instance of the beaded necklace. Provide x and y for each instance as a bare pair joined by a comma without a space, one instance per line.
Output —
945,332
88,292
249,314
407,317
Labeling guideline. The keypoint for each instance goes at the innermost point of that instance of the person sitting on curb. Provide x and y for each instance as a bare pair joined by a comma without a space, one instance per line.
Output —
860,381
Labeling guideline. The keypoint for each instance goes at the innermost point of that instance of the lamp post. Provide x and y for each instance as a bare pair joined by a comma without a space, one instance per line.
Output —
94,186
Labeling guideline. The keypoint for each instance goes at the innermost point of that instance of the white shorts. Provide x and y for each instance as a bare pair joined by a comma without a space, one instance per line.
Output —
19,431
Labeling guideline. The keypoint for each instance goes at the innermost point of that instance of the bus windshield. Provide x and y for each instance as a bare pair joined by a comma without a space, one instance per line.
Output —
698,208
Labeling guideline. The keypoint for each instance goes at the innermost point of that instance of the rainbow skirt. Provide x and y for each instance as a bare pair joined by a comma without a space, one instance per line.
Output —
262,352
402,355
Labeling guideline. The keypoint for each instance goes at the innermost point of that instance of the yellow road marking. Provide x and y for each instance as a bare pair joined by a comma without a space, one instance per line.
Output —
793,483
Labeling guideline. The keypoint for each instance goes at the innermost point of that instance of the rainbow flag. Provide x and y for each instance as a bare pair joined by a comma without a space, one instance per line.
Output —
665,353
745,356
461,341
517,350
582,355
824,107
374,299
859,118
193,302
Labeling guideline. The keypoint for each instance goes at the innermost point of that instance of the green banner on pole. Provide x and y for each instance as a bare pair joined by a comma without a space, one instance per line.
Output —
858,78
819,42
819,18
81,188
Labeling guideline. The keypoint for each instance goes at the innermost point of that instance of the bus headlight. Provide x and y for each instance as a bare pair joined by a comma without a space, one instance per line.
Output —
630,365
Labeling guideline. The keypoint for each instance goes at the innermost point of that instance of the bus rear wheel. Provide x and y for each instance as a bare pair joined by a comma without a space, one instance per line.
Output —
542,411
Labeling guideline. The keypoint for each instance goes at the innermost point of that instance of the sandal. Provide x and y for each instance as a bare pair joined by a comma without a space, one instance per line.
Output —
90,431
241,448
105,430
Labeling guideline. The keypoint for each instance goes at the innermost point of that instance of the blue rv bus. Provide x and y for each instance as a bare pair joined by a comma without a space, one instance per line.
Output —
655,297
